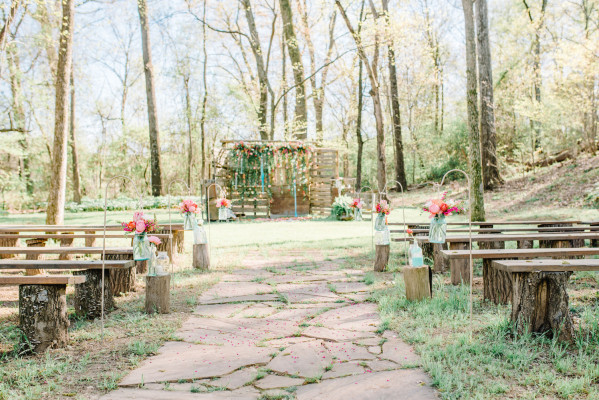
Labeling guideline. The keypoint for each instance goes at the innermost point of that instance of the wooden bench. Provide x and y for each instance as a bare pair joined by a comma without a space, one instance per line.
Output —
43,309
540,302
521,229
88,296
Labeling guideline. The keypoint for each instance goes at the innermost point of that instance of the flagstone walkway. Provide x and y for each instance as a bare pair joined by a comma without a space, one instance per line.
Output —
290,330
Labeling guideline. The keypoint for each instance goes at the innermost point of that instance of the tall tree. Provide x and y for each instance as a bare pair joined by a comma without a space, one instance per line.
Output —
58,180
400,172
73,145
491,177
360,104
372,72
204,99
476,182
151,99
300,123
14,6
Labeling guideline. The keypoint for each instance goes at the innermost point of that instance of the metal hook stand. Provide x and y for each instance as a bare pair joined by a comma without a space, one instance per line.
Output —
403,210
469,233
208,214
170,223
140,206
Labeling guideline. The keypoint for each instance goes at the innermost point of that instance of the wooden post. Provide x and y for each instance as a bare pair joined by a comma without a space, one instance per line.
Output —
201,257
90,241
88,295
460,268
418,282
594,242
497,284
439,262
141,266
66,243
122,280
158,295
43,317
381,257
9,243
34,243
179,242
540,303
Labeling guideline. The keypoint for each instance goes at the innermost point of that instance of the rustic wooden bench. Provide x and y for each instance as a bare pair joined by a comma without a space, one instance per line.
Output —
501,229
539,294
496,287
43,309
88,296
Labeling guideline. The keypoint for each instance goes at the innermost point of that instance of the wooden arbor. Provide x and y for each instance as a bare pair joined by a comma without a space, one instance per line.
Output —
277,178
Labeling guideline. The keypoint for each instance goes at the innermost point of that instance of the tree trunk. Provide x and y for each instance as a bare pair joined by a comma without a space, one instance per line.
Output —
476,186
34,243
204,99
43,317
122,280
400,172
201,257
58,173
7,23
300,123
189,119
73,143
151,99
491,177
381,257
359,128
88,295
540,304
158,296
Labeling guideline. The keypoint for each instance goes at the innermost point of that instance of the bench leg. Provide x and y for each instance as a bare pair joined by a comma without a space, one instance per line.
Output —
540,304
439,262
497,285
122,280
9,243
88,295
201,257
43,317
34,243
381,258
90,242
66,243
460,269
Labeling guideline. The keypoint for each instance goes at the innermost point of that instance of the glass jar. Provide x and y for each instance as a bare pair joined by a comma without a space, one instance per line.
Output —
152,261
199,235
416,259
162,263
141,247
357,214
380,223
438,229
382,237
222,214
189,221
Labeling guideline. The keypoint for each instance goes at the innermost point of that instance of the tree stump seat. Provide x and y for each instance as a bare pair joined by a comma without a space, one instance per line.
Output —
418,282
201,257
158,295
42,310
381,259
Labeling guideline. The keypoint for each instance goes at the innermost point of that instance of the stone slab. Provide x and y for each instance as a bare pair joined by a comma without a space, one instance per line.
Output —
137,394
306,359
343,369
337,335
278,382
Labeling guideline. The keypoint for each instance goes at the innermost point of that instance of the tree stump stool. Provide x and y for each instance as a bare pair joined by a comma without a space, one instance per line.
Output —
563,244
526,244
460,269
179,242
90,241
201,256
158,295
439,262
88,295
497,285
9,243
34,243
418,282
43,317
141,266
68,242
381,258
540,304
122,280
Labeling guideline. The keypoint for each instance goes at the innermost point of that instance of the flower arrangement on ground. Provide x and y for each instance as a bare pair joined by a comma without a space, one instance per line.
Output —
223,204
141,226
357,206
189,209
342,209
438,210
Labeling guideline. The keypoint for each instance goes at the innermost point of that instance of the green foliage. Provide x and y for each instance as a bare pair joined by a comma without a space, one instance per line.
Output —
123,203
342,207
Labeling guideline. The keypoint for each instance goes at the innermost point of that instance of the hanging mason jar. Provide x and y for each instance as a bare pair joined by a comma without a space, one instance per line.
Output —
152,261
380,222
438,229
162,263
199,235
141,247
382,237
357,214
222,214
189,221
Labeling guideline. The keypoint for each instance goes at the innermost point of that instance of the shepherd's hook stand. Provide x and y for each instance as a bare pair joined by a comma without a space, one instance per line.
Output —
170,224
208,213
403,211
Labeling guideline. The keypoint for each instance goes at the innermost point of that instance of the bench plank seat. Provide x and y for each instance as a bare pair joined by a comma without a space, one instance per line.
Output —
509,237
478,223
66,264
520,253
547,265
74,228
74,236
42,280
61,250
498,230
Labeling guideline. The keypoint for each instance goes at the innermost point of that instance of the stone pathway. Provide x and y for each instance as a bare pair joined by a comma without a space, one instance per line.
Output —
294,330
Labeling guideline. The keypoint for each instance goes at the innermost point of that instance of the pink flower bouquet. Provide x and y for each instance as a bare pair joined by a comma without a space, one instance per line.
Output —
140,224
154,240
223,203
383,207
438,207
357,204
189,206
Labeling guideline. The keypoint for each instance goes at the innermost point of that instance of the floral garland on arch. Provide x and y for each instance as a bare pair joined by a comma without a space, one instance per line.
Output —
257,166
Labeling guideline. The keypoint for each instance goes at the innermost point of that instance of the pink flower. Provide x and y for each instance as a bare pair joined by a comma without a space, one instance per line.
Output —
140,226
138,215
154,240
434,208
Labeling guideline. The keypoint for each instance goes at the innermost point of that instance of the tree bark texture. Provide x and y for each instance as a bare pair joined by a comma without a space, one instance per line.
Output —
158,295
476,182
201,257
34,243
497,284
9,243
560,243
122,280
151,99
73,145
491,177
460,268
68,242
14,6
88,295
417,282
300,123
58,169
43,317
381,257
439,264
540,304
